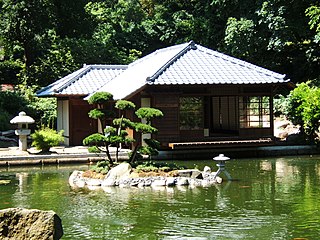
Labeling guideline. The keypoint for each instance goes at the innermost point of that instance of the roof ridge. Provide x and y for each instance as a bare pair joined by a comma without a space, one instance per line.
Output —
86,68
241,62
191,45
72,78
116,66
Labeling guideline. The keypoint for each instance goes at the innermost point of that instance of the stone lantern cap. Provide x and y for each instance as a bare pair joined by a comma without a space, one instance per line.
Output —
221,157
22,118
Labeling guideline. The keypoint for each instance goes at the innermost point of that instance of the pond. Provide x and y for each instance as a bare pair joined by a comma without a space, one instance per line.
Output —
276,198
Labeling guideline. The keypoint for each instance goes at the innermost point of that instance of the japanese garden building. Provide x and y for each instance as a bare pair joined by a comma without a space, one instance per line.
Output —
206,97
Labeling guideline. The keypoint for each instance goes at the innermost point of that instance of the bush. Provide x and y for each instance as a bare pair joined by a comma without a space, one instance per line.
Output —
102,167
150,166
93,149
46,138
4,120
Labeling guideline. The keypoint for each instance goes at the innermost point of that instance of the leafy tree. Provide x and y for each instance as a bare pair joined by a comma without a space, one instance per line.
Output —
24,24
117,133
304,109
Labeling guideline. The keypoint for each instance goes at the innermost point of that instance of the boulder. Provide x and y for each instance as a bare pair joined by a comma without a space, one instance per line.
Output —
191,173
109,182
182,181
76,179
31,224
159,183
123,170
93,182
171,181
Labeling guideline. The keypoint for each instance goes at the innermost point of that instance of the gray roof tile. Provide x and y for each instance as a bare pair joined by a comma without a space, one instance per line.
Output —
83,81
182,64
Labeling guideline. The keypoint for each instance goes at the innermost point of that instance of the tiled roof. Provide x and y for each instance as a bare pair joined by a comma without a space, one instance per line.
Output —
83,81
200,65
185,64
182,64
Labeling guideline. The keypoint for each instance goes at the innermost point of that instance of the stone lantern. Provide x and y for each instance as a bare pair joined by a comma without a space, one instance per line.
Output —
221,163
22,120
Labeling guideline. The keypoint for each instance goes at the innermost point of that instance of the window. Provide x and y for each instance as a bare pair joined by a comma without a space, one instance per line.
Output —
191,113
254,112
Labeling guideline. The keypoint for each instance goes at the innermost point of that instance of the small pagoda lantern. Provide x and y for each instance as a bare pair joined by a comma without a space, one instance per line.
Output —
221,163
23,131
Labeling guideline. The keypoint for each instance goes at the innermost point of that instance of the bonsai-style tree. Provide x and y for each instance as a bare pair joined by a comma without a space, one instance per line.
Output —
101,112
116,133
152,145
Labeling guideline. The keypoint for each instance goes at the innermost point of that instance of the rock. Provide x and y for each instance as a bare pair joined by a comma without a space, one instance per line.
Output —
109,182
171,181
125,182
194,182
134,182
147,182
218,179
123,170
207,169
192,173
33,224
158,183
182,181
93,182
76,180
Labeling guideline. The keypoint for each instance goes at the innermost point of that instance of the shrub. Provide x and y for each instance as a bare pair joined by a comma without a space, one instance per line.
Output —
150,166
94,149
102,167
4,120
46,138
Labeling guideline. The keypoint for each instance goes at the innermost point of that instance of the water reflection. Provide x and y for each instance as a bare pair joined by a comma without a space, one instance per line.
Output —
270,199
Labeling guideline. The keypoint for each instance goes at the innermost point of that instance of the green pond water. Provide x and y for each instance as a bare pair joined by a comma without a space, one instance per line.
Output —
276,198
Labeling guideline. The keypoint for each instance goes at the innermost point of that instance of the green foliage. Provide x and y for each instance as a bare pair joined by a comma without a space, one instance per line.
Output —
100,98
145,128
304,109
56,62
109,131
125,123
102,167
117,134
9,71
313,13
237,32
151,148
280,105
43,110
46,138
5,121
148,113
12,102
150,166
96,114
95,139
93,149
124,105
42,41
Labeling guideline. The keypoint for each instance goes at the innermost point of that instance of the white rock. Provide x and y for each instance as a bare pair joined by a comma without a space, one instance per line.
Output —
80,183
218,179
171,181
93,182
182,181
158,182
123,170
207,169
74,177
109,182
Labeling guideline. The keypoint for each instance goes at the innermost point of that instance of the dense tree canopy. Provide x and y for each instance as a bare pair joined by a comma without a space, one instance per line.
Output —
43,40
